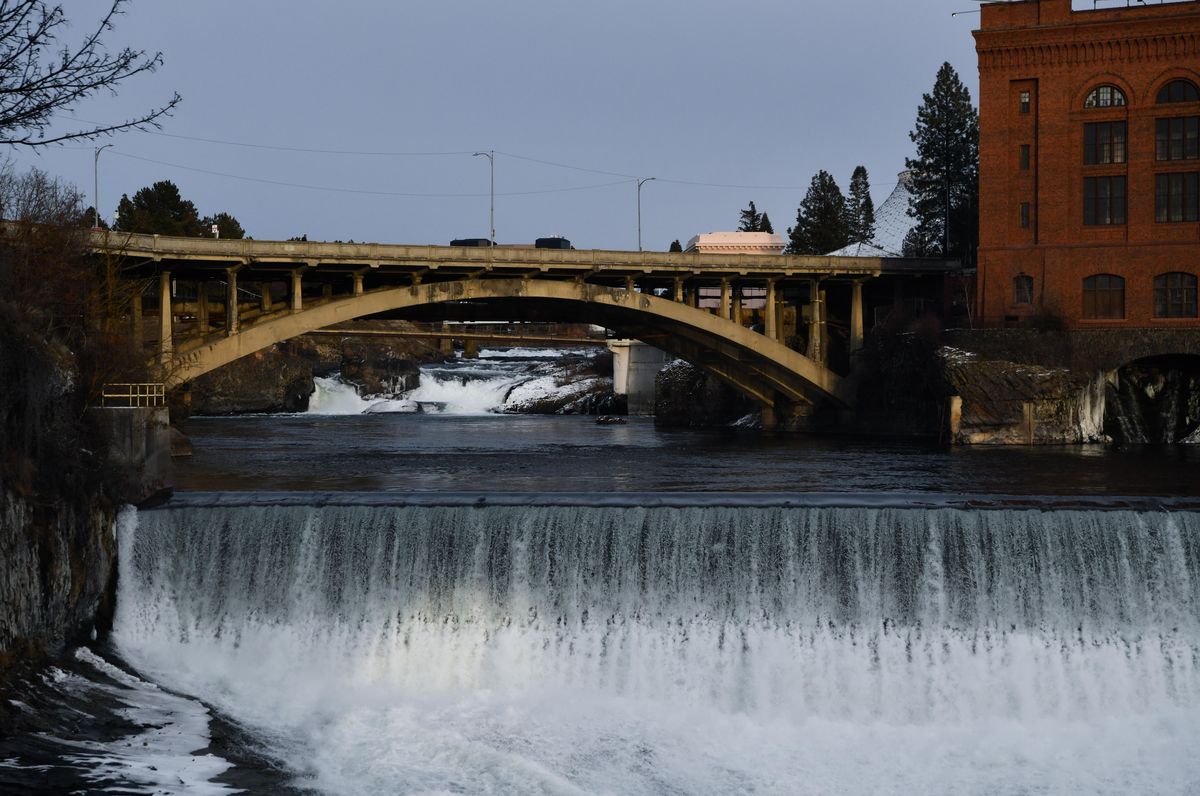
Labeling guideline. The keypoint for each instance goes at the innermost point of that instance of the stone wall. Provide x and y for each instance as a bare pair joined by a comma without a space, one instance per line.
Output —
1086,350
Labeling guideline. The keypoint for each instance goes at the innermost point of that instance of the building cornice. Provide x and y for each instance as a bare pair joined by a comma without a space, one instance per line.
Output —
1034,50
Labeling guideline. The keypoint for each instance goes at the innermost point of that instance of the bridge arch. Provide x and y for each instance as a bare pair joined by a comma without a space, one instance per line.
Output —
760,367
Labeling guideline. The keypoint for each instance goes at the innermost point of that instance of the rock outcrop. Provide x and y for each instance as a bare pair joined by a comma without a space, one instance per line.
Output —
1008,403
687,397
272,380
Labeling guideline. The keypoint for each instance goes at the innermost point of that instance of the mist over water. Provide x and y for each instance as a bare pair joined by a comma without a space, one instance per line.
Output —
576,649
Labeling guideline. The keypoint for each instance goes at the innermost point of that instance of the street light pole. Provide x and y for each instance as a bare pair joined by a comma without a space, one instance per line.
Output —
639,207
96,185
491,156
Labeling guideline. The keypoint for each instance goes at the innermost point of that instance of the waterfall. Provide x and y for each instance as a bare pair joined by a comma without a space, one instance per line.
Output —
466,631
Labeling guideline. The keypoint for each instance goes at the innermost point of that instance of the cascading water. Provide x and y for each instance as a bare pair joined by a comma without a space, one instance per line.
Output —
575,649
497,381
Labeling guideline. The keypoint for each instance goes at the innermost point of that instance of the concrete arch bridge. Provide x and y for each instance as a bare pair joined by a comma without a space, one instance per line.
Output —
765,324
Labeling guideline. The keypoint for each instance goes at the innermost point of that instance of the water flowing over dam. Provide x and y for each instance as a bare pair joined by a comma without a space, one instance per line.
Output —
686,649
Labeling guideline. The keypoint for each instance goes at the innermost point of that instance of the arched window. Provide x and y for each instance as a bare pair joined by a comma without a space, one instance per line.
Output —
1104,297
1022,289
1179,91
1175,295
1105,97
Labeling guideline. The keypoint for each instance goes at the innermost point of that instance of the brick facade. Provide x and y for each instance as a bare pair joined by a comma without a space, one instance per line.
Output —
1039,62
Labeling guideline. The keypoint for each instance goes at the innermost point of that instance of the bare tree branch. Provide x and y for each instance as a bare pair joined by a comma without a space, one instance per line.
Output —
37,82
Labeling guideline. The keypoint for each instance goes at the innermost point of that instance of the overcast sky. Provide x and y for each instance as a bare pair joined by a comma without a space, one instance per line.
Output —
759,93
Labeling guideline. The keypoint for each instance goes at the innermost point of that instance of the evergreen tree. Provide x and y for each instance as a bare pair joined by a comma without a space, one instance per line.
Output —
676,246
945,199
861,209
158,210
751,220
226,224
765,224
88,219
821,225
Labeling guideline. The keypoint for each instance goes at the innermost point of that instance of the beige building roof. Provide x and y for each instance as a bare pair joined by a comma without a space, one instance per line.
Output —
736,243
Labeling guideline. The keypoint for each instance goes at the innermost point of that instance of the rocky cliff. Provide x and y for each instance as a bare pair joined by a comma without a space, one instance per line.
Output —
57,496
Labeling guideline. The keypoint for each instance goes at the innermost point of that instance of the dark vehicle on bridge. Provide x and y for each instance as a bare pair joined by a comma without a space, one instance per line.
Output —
470,242
555,242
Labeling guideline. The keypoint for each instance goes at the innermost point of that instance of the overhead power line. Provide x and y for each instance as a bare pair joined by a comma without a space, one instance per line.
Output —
336,189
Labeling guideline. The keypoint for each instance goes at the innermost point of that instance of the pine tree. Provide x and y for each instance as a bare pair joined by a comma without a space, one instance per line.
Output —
945,199
228,226
751,220
158,210
676,246
821,225
861,209
765,224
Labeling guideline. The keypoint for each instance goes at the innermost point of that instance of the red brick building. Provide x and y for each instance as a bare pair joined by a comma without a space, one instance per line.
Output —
1089,163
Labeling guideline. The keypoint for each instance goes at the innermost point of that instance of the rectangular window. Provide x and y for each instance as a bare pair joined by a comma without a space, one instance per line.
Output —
1175,295
1025,157
1104,142
1103,201
1025,215
1025,102
1177,139
1177,197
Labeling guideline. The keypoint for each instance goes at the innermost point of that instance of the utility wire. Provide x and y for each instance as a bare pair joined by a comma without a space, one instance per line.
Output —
515,156
408,195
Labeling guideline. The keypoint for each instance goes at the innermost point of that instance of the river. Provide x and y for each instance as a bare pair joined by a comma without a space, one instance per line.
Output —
455,601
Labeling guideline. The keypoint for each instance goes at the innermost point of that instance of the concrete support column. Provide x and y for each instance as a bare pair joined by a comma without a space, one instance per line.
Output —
856,316
629,284
678,290
358,284
770,421
135,316
297,292
231,302
816,345
166,342
780,321
770,321
327,291
694,297
737,305
202,306
724,308
264,291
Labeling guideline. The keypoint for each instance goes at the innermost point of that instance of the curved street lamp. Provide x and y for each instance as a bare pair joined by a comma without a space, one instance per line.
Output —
491,156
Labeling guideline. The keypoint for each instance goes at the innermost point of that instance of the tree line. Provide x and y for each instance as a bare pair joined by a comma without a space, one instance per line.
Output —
944,204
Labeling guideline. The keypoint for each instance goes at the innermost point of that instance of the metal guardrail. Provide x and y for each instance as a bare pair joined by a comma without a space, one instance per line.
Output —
132,396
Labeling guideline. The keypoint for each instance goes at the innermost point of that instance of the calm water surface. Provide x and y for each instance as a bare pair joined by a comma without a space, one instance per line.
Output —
521,453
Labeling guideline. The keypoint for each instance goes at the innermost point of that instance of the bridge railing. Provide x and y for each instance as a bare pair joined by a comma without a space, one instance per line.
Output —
133,396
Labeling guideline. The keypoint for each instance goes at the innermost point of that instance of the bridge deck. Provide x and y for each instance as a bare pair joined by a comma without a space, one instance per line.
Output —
383,259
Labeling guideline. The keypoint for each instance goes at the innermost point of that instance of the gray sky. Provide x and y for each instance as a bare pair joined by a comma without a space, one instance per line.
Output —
755,93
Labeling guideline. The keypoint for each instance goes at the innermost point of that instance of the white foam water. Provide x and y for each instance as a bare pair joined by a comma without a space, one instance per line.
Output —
499,380
569,649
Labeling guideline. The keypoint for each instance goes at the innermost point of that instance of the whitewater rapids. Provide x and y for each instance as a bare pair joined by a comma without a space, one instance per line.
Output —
576,649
